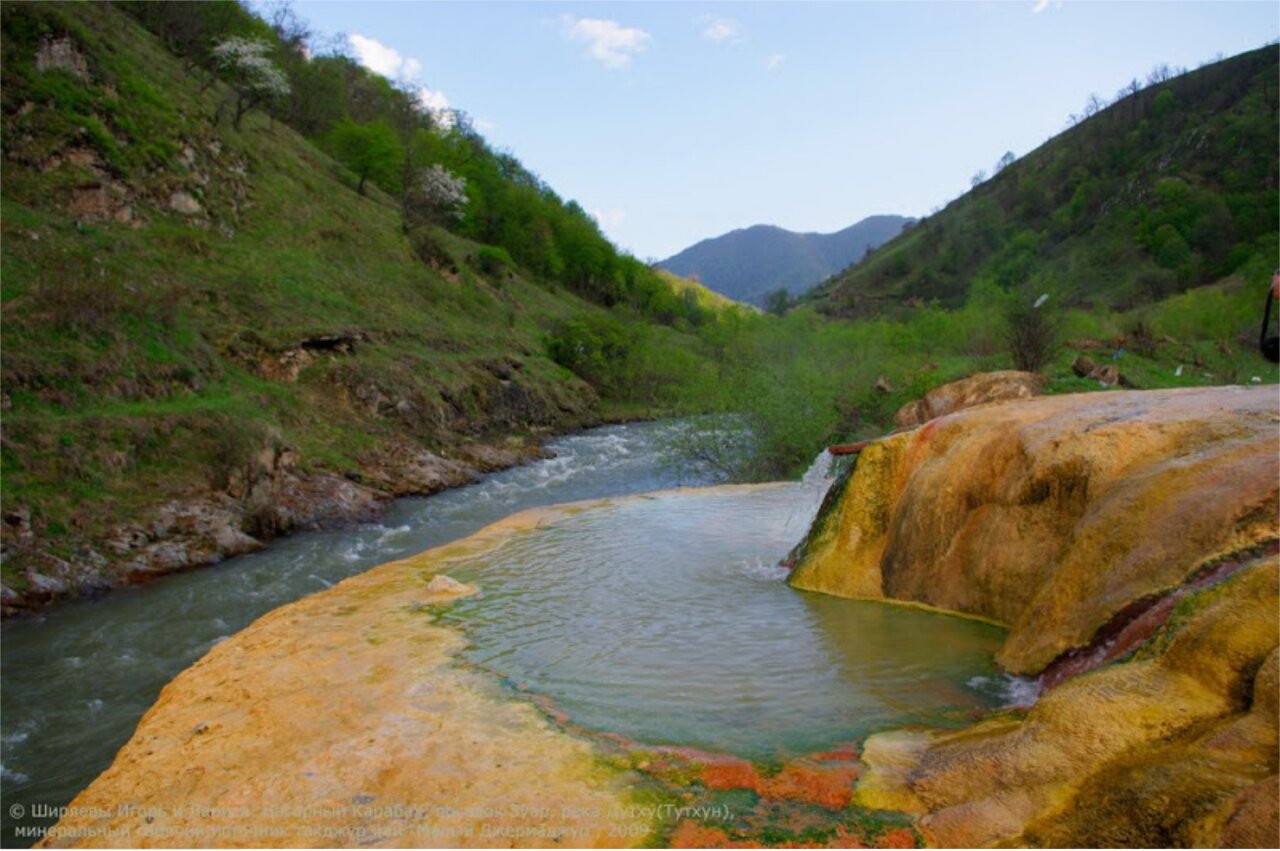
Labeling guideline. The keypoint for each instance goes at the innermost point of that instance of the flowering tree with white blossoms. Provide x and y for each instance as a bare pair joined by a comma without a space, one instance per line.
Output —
247,67
436,196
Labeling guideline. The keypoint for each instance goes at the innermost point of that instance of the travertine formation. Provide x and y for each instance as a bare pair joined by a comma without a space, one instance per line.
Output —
1073,519
344,720
969,392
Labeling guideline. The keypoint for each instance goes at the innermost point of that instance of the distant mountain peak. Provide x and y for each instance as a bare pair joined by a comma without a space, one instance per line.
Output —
746,263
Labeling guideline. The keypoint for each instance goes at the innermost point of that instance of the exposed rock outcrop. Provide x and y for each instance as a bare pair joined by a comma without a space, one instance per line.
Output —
1095,526
268,496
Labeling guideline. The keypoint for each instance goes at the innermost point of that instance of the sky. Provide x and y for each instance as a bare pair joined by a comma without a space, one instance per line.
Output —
673,122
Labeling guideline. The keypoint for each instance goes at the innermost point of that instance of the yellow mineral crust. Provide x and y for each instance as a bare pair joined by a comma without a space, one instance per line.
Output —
1052,514
1058,516
342,720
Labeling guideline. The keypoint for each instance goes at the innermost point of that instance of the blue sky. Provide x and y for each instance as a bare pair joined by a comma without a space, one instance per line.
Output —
673,122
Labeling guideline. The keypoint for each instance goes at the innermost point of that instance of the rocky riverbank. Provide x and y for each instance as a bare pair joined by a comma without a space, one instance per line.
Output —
269,495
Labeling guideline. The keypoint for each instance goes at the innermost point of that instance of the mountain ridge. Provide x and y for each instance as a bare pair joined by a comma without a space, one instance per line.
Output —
747,263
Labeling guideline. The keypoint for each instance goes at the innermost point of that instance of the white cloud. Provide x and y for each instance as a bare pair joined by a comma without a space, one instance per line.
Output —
484,125
720,29
379,58
610,218
608,42
1041,5
387,61
773,60
432,100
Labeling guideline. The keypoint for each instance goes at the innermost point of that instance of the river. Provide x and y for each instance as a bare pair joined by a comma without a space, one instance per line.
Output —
74,681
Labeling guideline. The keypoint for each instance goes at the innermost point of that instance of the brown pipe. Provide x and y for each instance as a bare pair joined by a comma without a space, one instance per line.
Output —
849,448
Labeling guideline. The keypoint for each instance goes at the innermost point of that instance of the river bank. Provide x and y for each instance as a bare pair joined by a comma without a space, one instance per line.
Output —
270,496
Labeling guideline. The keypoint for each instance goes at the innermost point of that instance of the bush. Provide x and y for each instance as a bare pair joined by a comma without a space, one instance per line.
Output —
593,347
431,249
1032,333
493,260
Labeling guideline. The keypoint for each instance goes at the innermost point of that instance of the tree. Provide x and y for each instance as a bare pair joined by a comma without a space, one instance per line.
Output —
436,196
370,150
245,64
777,302
1004,162
979,178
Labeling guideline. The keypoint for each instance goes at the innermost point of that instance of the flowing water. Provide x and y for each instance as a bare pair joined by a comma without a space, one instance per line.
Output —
75,681
662,618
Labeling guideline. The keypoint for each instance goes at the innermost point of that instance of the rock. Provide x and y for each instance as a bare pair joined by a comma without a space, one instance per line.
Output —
229,541
184,203
1084,366
60,54
446,586
17,523
968,392
43,585
1070,519
405,470
883,385
1107,375
489,458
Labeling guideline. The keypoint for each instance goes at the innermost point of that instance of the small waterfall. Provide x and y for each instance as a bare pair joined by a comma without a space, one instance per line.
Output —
818,476
813,489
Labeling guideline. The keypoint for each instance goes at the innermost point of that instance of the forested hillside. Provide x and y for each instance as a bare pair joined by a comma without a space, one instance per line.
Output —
752,263
250,287
238,276
1173,185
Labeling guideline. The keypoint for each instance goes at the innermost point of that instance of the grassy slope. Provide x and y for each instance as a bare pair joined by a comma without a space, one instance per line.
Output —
1173,187
132,350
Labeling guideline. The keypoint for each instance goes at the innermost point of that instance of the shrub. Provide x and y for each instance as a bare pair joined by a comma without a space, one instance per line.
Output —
592,347
493,260
431,249
1031,330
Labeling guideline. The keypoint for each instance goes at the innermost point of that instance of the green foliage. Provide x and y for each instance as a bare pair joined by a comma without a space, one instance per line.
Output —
493,260
777,302
594,346
372,152
1031,330
1171,187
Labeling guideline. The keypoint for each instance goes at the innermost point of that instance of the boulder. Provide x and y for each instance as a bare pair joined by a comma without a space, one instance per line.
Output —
1084,366
968,392
443,587
185,203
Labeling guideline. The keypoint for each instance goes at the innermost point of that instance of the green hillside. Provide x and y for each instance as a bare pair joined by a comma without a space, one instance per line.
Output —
183,291
229,312
1170,187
